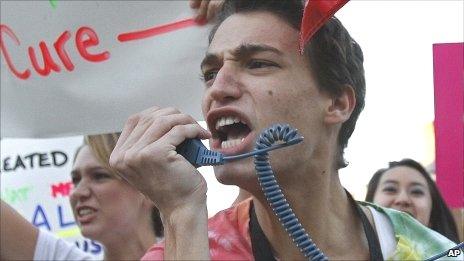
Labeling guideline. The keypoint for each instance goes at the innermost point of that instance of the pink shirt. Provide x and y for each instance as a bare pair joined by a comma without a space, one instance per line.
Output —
228,234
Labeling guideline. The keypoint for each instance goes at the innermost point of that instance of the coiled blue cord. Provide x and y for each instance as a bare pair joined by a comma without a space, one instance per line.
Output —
198,155
273,193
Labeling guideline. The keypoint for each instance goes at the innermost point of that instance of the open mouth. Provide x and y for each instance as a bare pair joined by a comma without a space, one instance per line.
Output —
85,214
230,133
85,211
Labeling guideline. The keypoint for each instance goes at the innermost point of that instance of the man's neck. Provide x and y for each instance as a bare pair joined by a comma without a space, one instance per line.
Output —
324,211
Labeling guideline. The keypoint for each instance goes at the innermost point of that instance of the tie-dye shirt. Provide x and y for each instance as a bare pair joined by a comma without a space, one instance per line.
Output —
229,236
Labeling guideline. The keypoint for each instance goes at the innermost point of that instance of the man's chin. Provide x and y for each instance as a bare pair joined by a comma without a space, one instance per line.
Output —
224,176
234,174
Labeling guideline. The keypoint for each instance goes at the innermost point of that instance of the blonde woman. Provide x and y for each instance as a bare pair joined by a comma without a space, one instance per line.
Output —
106,208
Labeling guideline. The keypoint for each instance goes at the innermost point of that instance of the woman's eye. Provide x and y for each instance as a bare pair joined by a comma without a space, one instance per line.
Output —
75,180
389,189
101,175
257,64
417,192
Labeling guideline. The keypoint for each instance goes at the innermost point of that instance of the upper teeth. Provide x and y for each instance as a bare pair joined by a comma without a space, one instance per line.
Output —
228,120
85,211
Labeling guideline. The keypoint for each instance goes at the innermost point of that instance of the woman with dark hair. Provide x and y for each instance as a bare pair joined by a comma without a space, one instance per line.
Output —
406,186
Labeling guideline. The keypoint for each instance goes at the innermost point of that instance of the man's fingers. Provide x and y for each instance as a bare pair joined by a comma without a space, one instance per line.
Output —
213,9
159,112
130,125
157,152
161,126
145,119
194,3
179,133
202,10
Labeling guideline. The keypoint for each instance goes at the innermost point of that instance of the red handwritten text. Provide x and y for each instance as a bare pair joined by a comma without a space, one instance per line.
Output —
62,189
157,30
86,37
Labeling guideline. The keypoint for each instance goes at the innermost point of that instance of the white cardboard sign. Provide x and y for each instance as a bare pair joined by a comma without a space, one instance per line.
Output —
87,78
36,181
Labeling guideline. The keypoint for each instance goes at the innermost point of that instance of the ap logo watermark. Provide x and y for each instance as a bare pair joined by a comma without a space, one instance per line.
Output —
454,252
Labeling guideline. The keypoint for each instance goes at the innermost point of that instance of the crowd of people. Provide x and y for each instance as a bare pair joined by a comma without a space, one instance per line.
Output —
142,200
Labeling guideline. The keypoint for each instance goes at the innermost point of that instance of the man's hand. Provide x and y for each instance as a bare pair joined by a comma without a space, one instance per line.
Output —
145,155
207,9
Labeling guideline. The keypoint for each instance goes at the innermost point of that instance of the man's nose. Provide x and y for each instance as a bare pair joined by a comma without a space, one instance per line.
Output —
226,85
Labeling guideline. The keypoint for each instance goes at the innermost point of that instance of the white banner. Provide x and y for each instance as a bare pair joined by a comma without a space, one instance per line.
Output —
82,67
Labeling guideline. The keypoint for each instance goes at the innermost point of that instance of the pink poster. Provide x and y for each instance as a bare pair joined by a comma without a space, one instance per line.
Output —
449,121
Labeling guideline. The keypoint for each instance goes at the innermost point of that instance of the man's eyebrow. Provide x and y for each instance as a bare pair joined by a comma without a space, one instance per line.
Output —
246,50
242,51
210,59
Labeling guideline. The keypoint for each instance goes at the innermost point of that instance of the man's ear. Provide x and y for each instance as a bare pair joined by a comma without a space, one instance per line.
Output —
342,106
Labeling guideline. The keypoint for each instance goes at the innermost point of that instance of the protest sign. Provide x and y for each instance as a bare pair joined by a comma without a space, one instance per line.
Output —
449,125
36,181
82,67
